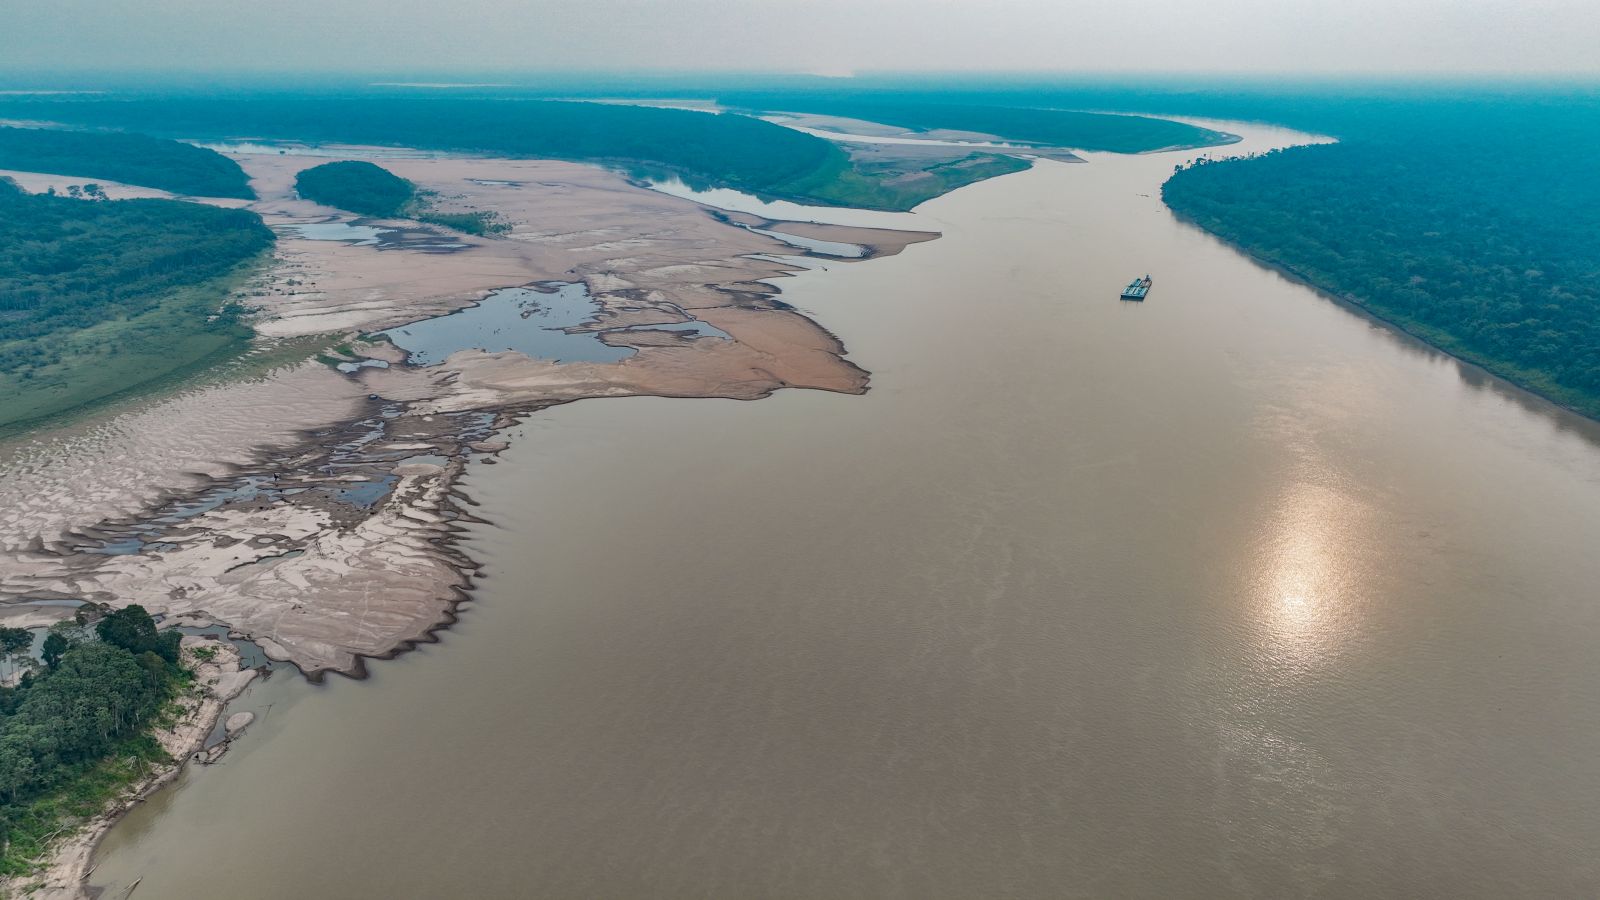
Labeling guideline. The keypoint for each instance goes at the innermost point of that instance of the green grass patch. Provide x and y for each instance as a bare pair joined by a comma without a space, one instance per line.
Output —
848,185
189,328
101,297
478,223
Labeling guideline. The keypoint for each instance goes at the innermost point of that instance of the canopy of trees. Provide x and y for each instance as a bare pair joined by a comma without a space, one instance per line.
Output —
64,720
67,263
357,186
128,158
1477,230
86,283
132,629
372,190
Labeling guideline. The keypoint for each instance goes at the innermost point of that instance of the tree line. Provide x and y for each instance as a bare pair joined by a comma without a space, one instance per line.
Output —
1478,232
730,150
129,158
1035,124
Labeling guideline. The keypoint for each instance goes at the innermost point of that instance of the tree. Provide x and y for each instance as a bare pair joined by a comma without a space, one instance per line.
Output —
132,629
54,646
14,645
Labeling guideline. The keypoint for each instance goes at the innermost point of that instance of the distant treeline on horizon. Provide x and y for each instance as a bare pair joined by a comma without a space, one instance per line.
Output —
737,151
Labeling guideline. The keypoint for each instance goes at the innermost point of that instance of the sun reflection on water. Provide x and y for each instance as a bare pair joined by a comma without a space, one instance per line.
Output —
1307,578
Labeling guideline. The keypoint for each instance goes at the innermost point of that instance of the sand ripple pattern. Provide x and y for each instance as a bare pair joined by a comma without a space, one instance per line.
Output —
55,485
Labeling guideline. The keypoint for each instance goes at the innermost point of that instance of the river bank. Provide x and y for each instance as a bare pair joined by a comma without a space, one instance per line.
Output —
312,507
1444,231
218,679
1518,381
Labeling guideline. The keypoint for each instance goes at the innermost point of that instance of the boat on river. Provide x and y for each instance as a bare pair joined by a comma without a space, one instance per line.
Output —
1137,289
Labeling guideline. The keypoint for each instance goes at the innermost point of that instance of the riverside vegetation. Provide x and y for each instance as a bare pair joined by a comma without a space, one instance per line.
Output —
1475,227
99,296
1464,215
128,158
1467,215
1033,125
75,730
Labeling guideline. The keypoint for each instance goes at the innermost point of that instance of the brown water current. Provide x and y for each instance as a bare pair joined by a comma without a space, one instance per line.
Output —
1233,592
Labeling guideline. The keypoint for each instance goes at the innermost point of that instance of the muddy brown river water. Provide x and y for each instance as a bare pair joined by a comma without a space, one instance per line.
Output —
1231,593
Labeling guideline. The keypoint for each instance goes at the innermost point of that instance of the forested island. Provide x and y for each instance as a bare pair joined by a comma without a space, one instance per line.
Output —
129,158
99,296
372,190
74,728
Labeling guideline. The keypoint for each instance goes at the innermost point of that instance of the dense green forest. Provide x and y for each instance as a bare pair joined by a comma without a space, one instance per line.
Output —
1466,213
75,730
99,296
1479,233
372,190
1052,127
128,158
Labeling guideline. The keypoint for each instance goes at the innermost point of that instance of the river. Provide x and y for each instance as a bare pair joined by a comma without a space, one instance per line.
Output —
1233,592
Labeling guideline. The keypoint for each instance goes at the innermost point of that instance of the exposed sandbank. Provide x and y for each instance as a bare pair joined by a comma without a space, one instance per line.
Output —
293,507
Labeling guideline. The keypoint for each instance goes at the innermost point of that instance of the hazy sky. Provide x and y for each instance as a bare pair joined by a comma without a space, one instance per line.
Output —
819,36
